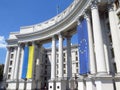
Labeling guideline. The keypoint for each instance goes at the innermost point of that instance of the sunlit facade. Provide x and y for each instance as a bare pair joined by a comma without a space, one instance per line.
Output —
92,64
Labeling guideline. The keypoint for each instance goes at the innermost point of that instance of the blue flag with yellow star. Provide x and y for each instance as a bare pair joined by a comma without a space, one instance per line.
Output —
83,47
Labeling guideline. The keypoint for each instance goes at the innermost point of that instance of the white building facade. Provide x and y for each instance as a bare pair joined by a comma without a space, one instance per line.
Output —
61,67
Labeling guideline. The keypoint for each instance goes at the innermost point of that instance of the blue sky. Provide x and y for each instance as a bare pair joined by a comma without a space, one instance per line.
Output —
17,13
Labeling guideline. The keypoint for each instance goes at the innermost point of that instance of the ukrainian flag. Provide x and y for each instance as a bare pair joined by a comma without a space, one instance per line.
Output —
30,62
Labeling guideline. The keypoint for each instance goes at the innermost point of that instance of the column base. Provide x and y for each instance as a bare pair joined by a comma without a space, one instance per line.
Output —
21,85
73,84
61,84
100,74
52,85
37,84
97,83
117,82
104,83
81,84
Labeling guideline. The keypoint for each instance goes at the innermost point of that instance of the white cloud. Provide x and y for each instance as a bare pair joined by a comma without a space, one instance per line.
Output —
2,42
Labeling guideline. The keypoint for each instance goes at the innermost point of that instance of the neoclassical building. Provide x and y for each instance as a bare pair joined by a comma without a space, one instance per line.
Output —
92,64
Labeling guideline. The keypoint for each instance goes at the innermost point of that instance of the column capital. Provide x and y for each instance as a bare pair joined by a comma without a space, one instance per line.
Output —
110,7
60,34
8,48
94,4
86,14
80,19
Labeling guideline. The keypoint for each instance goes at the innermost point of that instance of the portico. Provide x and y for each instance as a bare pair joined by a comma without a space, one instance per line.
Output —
29,65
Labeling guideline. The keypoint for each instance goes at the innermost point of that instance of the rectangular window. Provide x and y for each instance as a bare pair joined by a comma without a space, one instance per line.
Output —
63,54
64,65
57,72
64,59
11,62
45,72
76,53
57,66
112,53
76,58
9,76
45,78
110,38
12,55
45,66
12,49
76,64
10,69
76,70
64,71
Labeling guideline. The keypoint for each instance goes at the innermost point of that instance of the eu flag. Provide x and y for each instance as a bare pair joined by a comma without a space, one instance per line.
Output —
83,47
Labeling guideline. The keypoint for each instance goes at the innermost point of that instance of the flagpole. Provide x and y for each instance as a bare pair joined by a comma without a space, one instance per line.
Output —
58,8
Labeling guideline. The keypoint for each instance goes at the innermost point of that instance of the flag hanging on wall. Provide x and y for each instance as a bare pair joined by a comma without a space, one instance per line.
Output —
30,62
25,62
83,48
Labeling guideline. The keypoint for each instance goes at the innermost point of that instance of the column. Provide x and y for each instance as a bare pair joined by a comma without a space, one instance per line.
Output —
38,66
34,60
38,59
91,46
60,56
21,61
115,37
53,61
69,61
14,62
6,63
17,63
34,66
98,40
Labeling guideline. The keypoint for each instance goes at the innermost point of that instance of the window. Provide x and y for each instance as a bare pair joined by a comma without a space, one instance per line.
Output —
57,66
110,38
64,59
45,66
57,61
57,72
115,69
76,70
45,72
10,69
63,54
76,58
64,71
11,62
112,53
9,76
64,66
46,61
12,49
11,56
76,53
76,64
46,56
45,78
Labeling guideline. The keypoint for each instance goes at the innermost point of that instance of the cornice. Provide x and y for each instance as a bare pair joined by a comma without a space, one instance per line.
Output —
67,23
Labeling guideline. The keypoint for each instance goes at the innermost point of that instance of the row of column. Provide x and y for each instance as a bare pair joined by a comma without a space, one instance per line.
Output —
96,46
97,57
100,66
60,50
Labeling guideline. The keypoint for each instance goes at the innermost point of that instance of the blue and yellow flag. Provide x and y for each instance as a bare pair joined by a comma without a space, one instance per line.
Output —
30,62
25,62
